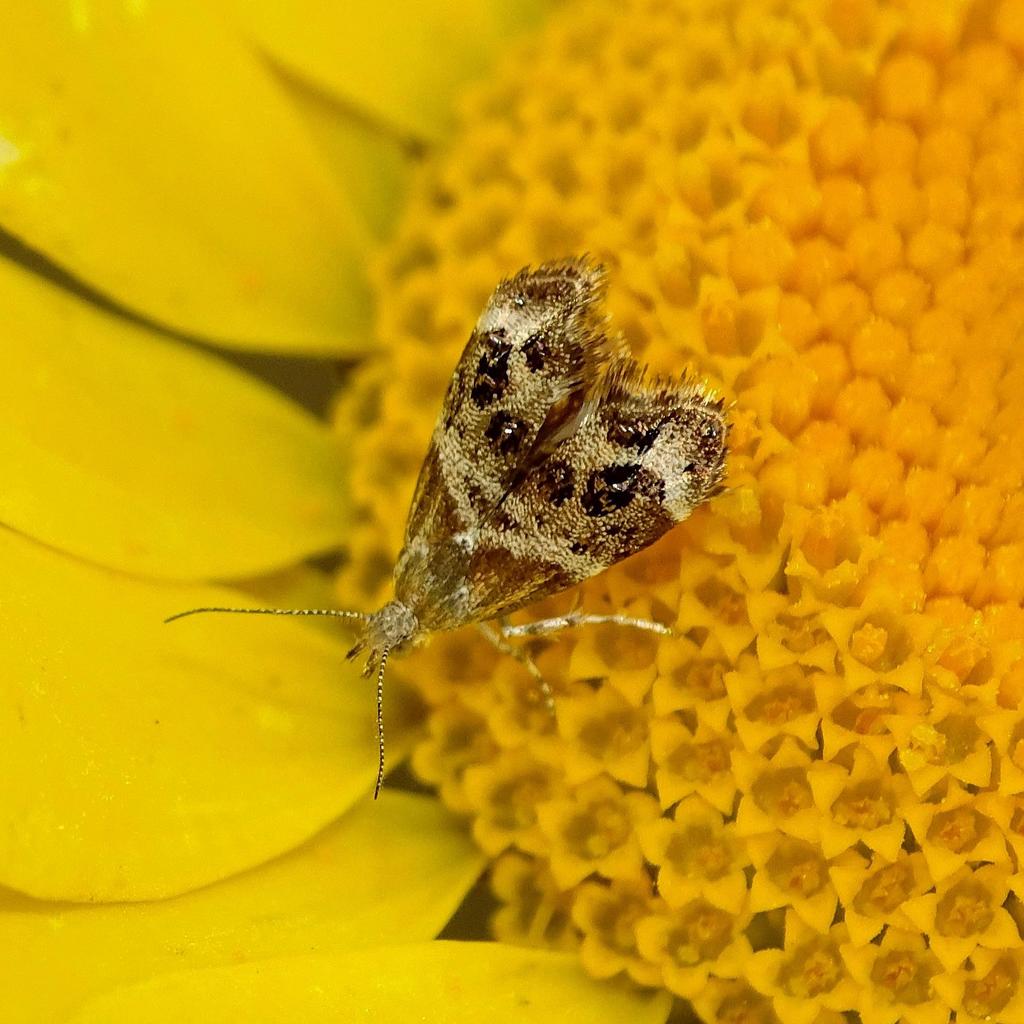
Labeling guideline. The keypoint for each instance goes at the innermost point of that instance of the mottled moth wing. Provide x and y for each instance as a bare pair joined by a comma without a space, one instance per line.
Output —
538,344
639,457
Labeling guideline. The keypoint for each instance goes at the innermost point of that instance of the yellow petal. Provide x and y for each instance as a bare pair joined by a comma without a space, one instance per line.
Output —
373,166
140,760
298,586
147,150
453,982
147,456
388,872
401,62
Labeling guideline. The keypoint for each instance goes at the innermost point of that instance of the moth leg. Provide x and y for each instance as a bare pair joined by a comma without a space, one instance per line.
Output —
523,657
542,627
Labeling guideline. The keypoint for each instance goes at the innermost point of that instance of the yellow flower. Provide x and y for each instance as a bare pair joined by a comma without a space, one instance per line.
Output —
595,830
697,855
874,893
901,975
807,973
816,204
185,826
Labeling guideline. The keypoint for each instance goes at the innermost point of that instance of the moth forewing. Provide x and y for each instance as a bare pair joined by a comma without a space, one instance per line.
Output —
553,458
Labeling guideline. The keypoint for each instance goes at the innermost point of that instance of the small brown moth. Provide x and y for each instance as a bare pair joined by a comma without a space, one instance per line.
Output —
553,458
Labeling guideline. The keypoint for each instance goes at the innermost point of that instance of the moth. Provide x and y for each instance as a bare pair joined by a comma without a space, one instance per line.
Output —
554,457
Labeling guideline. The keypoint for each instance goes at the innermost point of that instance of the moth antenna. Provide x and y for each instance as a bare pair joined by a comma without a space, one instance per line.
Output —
330,612
380,723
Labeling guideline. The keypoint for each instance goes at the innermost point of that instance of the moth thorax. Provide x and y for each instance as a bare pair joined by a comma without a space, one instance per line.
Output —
391,628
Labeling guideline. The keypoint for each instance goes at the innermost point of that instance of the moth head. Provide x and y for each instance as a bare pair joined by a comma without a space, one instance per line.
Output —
392,628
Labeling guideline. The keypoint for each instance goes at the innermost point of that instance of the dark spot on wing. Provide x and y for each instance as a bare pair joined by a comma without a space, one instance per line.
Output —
708,466
505,522
616,486
476,498
577,547
535,351
506,432
652,487
711,437
630,434
610,488
712,430
557,482
492,370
